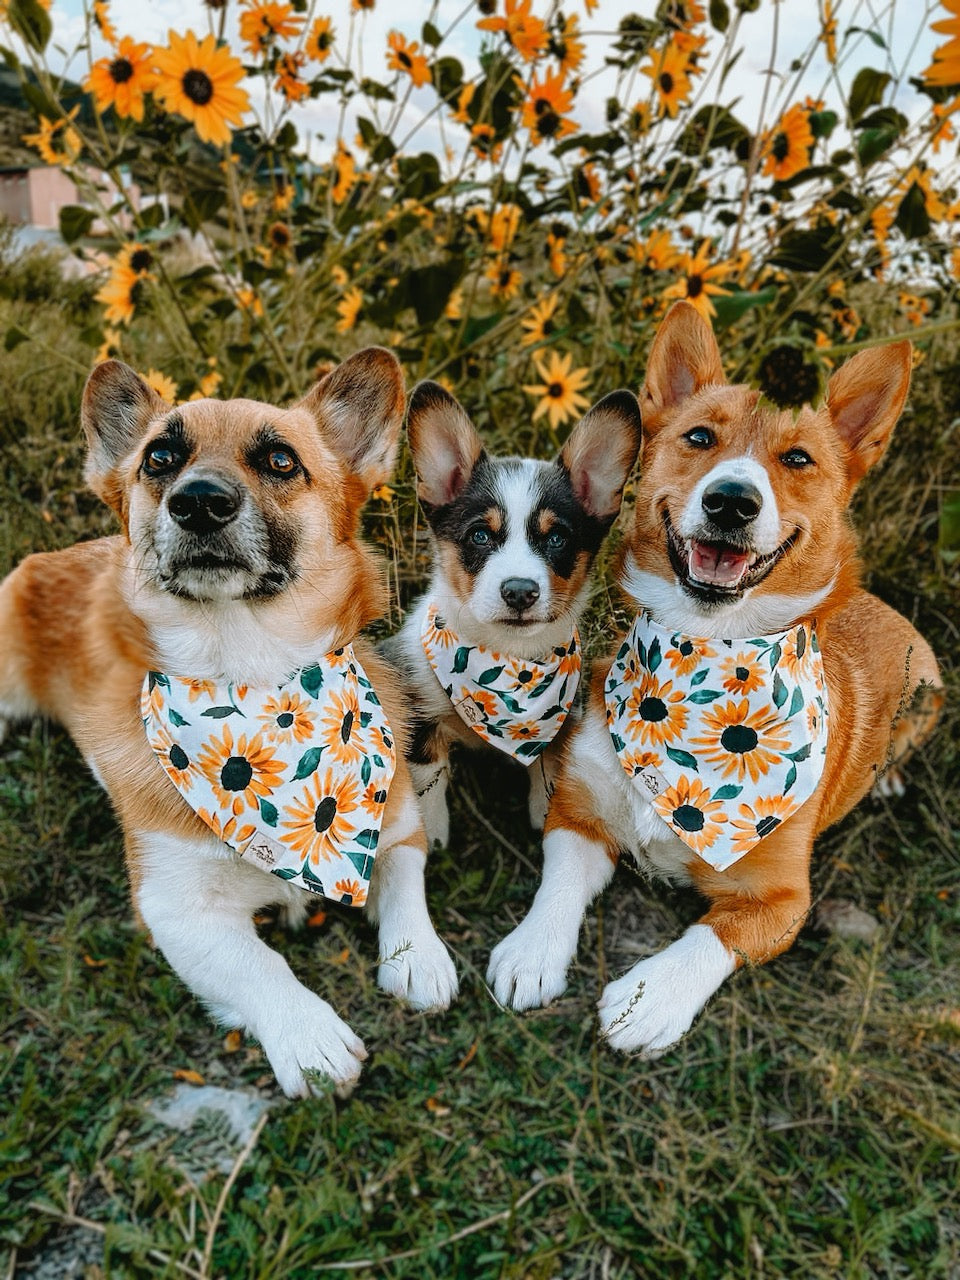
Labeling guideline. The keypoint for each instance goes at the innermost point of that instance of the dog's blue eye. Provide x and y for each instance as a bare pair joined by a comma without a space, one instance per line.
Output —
700,437
796,458
480,537
556,540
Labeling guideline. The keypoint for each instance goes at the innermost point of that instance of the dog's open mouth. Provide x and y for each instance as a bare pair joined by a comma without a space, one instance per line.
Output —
719,570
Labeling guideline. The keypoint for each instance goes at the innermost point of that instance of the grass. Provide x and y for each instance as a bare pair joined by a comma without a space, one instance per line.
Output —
807,1126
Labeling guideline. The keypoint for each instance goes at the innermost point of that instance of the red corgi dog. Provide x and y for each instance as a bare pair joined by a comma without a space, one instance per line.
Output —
758,696
204,663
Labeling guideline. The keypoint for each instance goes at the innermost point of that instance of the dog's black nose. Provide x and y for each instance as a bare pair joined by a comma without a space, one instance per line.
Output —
519,593
202,506
731,504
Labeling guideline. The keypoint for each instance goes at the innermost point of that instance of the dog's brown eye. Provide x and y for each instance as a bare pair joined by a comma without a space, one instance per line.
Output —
700,437
796,458
159,459
283,463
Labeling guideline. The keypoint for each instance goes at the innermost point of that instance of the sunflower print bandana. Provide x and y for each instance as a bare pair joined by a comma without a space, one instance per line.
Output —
516,704
727,738
293,777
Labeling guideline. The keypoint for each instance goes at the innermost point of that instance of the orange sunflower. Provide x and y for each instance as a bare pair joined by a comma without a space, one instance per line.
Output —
352,890
502,226
796,653
121,81
231,830
404,56
566,46
759,819
240,772
523,674
120,294
556,254
698,280
485,701
174,759
437,632
340,728
670,72
523,730
559,392
786,148
742,673
689,809
286,719
198,688
199,81
261,25
545,107
742,743
505,280
320,40
945,68
373,799
688,654
70,139
102,21
319,823
523,30
348,309
344,174
655,711
288,81
637,761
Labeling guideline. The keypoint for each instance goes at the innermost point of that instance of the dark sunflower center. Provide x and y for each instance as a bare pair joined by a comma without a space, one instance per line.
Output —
694,286
741,673
781,147
140,259
555,391
688,818
653,709
524,677
285,719
178,757
548,122
666,84
405,60
686,648
121,70
324,40
766,825
504,279
347,727
236,774
198,86
325,813
738,739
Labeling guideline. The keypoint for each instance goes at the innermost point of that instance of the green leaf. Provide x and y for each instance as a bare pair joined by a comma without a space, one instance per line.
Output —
14,336
703,696
308,763
430,288
654,657
311,680
366,769
460,659
176,719
822,123
32,22
948,539
873,143
200,205
531,749
808,250
683,758
801,753
719,15
866,91
727,792
430,34
488,676
790,779
912,217
873,35
75,221
368,839
268,812
699,677
779,690
731,306
219,713
374,89
796,702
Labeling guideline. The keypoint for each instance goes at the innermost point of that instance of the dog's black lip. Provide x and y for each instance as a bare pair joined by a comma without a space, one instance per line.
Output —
709,592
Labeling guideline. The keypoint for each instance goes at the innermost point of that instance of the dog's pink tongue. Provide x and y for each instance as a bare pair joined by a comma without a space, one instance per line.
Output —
719,566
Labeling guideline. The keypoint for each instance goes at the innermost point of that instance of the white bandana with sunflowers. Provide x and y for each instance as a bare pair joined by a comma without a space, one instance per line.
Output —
515,704
293,777
727,738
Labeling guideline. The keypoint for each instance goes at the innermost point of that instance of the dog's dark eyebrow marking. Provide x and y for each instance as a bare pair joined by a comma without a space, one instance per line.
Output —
173,427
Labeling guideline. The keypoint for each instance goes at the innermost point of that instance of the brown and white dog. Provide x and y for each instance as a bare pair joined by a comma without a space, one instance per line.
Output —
239,560
741,532
514,540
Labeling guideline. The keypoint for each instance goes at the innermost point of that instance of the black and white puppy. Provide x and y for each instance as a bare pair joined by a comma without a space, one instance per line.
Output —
490,653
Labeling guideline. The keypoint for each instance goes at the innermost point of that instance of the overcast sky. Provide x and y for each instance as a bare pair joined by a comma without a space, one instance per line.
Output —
902,24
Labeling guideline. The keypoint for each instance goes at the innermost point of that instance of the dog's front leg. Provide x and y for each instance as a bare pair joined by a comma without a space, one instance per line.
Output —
757,909
430,782
198,904
415,966
529,967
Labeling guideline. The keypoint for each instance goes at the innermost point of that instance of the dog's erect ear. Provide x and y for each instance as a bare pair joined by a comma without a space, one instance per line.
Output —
358,408
444,444
600,452
865,398
116,409
684,358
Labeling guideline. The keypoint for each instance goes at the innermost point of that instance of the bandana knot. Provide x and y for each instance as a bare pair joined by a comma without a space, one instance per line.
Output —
726,738
516,704
293,777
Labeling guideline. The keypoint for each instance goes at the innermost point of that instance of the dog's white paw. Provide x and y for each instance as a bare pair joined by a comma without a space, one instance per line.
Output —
420,972
653,1005
293,914
889,785
528,968
307,1037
